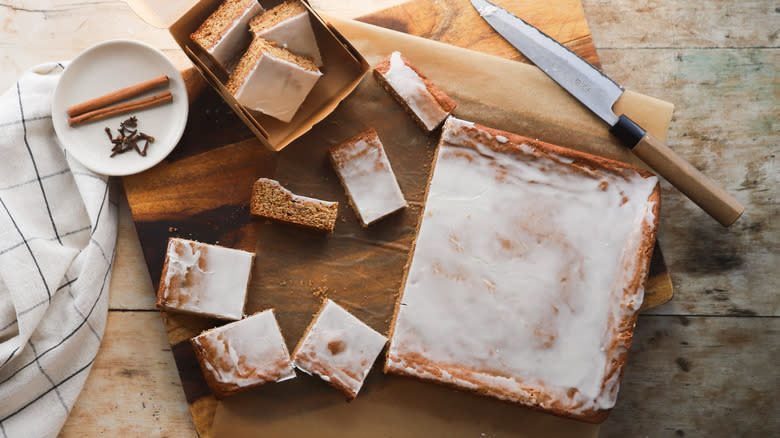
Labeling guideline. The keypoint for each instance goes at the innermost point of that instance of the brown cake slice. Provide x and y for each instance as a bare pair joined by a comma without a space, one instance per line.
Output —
206,280
423,100
271,200
243,355
365,173
288,24
225,33
272,79
339,348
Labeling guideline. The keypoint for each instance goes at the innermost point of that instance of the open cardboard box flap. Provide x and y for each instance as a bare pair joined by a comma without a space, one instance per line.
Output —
344,67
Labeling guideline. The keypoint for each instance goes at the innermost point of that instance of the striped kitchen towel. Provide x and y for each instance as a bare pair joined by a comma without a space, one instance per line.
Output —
58,227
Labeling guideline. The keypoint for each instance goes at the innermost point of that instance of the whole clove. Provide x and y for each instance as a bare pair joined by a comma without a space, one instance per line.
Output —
128,137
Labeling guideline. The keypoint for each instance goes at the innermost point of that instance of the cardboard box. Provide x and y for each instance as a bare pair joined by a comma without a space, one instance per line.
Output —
343,68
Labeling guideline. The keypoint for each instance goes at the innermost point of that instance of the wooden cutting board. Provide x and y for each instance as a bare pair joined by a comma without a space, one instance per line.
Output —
201,190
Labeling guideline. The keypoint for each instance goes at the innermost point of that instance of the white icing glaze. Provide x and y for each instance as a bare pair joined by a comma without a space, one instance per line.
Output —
296,35
206,279
237,37
276,87
368,178
247,352
408,84
519,271
339,347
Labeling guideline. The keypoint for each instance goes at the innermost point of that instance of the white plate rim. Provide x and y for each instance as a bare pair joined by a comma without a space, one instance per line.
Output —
59,115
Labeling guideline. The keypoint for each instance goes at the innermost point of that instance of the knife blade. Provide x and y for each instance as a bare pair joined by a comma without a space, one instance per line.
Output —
599,93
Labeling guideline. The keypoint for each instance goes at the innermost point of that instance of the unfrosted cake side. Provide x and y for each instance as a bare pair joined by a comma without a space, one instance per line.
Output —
365,172
271,200
243,355
422,99
202,279
527,272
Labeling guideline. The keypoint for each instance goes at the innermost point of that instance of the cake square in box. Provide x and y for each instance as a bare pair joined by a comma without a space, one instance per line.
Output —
527,273
339,348
224,34
207,280
288,25
342,65
243,355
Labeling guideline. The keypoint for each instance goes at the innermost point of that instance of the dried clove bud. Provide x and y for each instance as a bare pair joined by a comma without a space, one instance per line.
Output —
128,137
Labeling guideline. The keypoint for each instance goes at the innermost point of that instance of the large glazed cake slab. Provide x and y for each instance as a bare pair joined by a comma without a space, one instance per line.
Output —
527,273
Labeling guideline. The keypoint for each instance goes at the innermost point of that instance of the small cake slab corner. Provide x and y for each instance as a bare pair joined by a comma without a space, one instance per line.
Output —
339,348
428,105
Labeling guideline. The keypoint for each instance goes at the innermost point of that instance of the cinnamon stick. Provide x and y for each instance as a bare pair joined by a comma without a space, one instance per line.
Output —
116,96
122,108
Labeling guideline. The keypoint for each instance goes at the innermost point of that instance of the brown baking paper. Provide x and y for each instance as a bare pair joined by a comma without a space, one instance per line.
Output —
362,268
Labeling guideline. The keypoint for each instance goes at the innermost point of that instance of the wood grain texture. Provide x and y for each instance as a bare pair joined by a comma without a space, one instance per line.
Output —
456,22
725,127
683,24
130,358
691,377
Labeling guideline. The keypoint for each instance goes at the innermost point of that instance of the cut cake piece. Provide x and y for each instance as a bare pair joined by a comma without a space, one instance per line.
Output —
207,280
288,24
365,173
272,80
339,348
271,200
225,33
243,355
423,100
527,274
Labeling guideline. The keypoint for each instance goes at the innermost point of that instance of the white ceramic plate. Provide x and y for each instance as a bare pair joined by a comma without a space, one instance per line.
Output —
107,67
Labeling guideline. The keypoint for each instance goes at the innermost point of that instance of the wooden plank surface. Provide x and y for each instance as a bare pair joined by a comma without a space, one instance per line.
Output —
455,22
669,55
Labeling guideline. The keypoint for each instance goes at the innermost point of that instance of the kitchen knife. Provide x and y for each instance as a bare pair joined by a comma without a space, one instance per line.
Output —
598,92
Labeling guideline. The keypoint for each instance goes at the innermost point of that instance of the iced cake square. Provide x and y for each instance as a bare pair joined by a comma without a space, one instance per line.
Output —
339,348
288,24
368,178
243,355
202,279
272,80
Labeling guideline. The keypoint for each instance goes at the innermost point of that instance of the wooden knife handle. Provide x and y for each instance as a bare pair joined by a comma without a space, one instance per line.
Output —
700,189
692,183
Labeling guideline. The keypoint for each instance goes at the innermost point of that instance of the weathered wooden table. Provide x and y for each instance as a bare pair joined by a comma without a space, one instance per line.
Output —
702,365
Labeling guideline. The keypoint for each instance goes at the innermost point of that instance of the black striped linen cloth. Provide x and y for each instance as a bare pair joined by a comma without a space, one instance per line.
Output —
58,227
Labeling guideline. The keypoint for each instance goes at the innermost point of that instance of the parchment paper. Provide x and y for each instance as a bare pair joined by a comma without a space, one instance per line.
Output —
362,268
